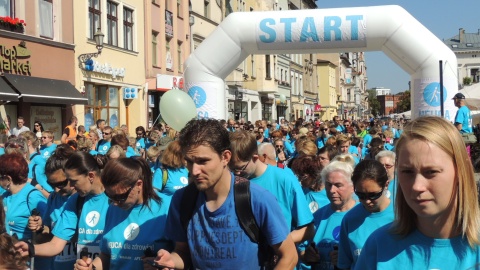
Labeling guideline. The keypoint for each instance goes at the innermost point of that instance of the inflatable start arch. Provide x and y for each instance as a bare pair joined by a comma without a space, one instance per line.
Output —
390,29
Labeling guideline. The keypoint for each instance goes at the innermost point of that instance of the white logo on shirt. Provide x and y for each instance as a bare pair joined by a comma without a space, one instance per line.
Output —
104,147
184,180
313,207
131,232
92,218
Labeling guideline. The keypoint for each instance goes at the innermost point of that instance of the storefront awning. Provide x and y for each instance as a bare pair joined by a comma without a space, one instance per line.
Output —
6,92
42,90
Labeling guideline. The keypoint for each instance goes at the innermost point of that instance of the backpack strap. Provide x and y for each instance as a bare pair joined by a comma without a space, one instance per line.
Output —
243,208
164,178
187,206
78,211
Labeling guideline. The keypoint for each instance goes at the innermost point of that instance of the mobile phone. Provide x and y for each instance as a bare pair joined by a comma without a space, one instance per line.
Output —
156,265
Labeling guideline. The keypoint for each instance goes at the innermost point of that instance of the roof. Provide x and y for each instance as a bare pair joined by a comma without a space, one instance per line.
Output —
471,42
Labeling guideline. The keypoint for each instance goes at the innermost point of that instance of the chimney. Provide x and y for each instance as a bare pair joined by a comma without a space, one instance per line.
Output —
461,35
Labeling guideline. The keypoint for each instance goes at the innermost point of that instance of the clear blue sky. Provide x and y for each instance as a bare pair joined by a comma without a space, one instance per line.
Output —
442,17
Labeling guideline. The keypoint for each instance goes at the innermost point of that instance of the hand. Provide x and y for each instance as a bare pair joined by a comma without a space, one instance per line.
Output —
311,255
165,258
83,265
334,257
35,223
21,248
281,156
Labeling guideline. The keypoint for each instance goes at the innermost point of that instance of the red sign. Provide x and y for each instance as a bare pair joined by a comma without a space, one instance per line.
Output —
318,107
345,111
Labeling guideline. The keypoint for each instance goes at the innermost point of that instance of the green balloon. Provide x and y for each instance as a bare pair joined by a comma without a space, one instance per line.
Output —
177,108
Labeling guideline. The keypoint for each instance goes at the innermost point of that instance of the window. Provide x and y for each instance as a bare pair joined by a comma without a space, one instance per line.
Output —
266,111
169,63
46,18
112,23
103,103
154,49
179,56
469,45
7,8
206,7
128,29
267,67
94,14
179,9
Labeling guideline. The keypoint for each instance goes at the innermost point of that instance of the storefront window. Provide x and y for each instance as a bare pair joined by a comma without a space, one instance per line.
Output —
281,112
241,110
266,111
103,103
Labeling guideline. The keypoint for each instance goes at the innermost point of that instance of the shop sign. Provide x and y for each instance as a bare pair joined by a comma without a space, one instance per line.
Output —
10,59
96,66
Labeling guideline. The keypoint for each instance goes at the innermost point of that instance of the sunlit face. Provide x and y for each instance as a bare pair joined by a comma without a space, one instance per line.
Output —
339,190
20,123
59,182
370,190
244,169
81,183
125,197
324,159
426,175
389,165
206,167
344,147
46,139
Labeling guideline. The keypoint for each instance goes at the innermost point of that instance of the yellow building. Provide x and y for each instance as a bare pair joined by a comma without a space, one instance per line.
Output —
327,76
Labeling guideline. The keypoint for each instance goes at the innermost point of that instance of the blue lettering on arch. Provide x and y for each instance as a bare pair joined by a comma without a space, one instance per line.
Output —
335,27
354,25
309,24
288,28
272,35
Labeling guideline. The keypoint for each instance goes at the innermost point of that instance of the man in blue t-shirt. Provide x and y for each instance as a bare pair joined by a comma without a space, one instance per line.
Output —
284,186
47,147
463,119
213,237
105,143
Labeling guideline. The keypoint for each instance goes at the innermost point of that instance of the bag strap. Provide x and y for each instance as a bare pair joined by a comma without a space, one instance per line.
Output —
187,206
78,211
28,196
243,208
164,178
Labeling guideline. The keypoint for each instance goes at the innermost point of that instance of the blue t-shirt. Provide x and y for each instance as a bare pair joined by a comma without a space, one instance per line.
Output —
340,128
17,211
90,224
465,118
286,188
55,204
36,169
47,151
321,142
327,234
176,179
366,141
131,152
384,250
128,233
392,190
216,239
140,144
103,146
357,225
316,199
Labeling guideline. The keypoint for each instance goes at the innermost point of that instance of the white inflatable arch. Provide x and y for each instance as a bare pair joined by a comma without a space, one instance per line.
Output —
390,29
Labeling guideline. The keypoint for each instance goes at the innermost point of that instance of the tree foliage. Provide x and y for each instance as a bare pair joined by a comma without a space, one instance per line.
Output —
404,104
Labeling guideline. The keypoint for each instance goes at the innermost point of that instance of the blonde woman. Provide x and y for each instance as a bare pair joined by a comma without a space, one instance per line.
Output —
437,217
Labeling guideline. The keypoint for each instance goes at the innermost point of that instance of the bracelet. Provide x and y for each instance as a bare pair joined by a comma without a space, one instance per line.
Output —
31,249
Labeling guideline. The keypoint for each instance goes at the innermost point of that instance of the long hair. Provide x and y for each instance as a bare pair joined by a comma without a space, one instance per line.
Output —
440,132
83,163
126,171
58,159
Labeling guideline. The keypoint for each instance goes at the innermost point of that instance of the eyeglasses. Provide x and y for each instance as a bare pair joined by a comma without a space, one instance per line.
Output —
388,166
59,185
279,146
120,198
106,133
369,196
324,129
13,145
241,169
45,137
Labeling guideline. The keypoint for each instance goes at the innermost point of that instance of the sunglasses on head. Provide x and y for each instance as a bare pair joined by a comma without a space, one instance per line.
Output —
369,196
59,185
120,198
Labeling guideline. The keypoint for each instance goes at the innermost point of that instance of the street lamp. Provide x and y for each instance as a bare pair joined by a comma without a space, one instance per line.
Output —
99,45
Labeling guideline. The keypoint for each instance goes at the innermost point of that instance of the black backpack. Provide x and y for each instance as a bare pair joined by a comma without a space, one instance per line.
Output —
243,209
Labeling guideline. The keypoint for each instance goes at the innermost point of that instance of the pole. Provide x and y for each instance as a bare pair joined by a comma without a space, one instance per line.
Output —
441,87
34,213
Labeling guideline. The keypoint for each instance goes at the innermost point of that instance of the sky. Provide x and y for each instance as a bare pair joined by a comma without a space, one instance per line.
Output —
442,17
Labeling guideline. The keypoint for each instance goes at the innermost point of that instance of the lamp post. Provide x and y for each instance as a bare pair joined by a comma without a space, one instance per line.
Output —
98,36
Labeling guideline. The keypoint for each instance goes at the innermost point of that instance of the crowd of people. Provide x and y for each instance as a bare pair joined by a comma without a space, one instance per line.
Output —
226,194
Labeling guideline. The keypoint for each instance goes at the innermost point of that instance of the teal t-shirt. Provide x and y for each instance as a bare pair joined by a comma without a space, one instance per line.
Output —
128,233
384,250
464,117
176,179
316,199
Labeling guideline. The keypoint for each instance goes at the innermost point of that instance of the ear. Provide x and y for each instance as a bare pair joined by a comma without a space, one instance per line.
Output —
91,176
226,157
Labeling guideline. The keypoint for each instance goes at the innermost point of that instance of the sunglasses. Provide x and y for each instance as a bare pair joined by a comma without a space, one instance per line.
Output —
324,129
36,125
241,169
105,133
45,137
59,185
369,196
120,198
